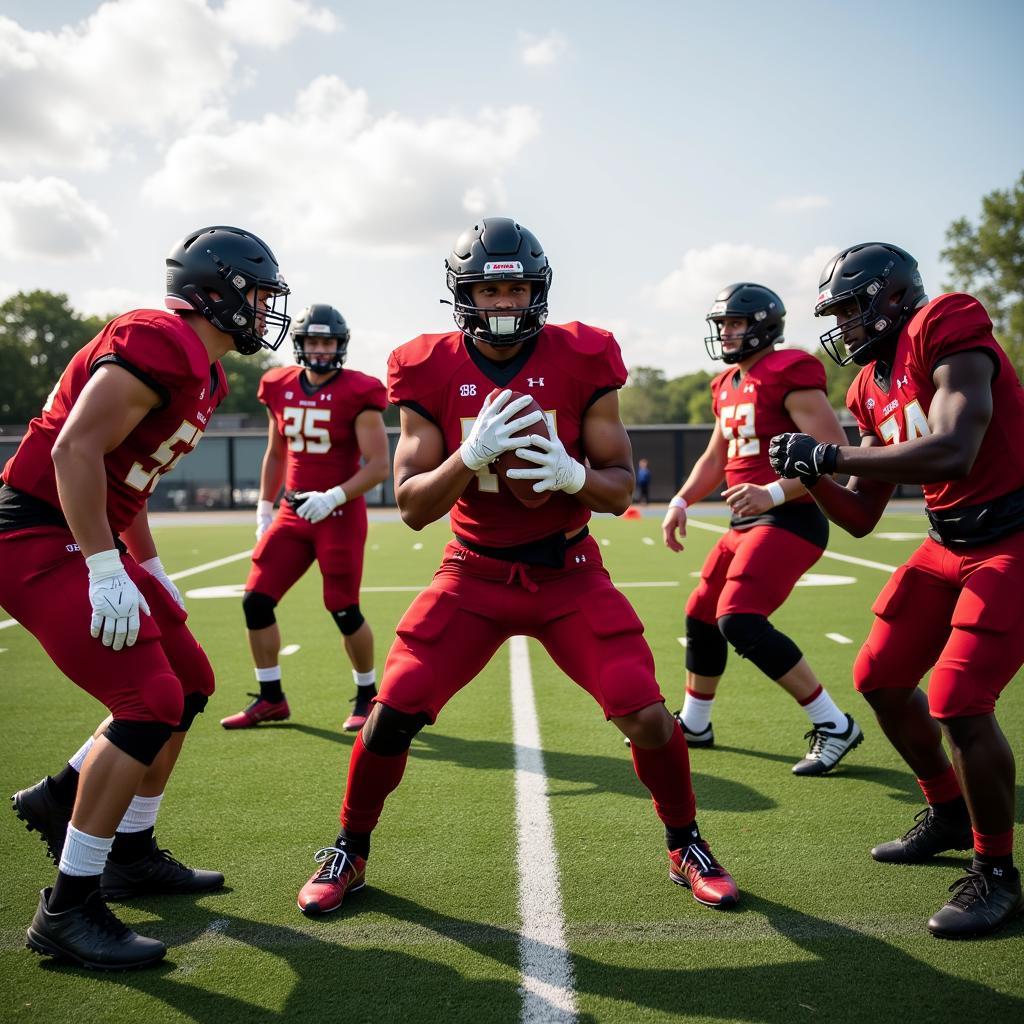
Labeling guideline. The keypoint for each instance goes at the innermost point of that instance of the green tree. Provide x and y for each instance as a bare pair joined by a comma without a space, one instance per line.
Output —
39,333
243,373
839,379
987,260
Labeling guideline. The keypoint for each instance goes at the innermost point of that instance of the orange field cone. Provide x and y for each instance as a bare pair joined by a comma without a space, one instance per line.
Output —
632,513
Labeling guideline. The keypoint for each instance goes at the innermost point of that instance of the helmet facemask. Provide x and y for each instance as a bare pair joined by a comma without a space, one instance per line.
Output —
752,341
320,362
500,328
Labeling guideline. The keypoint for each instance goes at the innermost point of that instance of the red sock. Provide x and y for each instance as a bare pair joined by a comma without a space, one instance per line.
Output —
1000,845
371,779
940,789
665,771
814,696
699,696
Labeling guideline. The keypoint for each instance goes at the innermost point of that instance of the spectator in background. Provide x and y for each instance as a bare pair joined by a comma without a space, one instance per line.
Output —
643,481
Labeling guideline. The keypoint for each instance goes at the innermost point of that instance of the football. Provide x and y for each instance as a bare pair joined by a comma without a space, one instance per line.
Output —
523,490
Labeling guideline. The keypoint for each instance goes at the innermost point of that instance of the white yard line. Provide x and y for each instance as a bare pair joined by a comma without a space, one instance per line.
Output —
881,566
839,638
548,983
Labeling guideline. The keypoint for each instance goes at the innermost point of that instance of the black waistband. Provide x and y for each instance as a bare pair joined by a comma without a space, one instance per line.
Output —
21,511
972,525
548,551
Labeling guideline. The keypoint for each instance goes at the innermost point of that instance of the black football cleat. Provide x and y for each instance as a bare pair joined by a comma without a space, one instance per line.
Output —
90,935
982,902
42,812
158,873
933,834
363,701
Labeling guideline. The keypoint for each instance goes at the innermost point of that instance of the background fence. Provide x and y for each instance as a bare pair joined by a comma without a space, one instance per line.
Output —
224,471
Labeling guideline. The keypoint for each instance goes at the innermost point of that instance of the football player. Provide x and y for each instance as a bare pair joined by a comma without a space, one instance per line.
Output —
512,570
776,532
81,573
938,403
322,420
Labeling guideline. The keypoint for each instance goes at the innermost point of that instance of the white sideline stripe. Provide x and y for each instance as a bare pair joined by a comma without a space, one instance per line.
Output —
839,638
825,554
210,565
548,983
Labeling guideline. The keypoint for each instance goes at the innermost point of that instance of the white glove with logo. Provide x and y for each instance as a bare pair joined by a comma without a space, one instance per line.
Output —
155,569
493,429
557,469
115,600
317,505
264,517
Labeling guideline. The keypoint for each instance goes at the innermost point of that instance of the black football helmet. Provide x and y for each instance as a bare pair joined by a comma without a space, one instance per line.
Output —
212,271
886,285
498,249
763,310
320,321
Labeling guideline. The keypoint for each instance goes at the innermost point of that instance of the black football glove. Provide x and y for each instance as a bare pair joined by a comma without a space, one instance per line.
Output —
799,455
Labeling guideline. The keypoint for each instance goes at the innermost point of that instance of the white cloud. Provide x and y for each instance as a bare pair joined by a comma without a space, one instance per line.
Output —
113,301
332,175
687,293
798,204
272,23
47,218
137,65
540,52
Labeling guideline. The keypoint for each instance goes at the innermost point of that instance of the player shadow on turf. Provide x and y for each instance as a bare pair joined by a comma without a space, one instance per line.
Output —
585,774
358,977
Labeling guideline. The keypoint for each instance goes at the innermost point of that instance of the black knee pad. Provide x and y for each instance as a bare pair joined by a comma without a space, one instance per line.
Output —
389,732
349,619
258,609
755,638
141,740
195,704
706,648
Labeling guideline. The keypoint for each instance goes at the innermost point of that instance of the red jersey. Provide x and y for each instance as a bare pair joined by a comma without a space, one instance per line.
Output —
445,378
164,352
319,422
750,410
949,324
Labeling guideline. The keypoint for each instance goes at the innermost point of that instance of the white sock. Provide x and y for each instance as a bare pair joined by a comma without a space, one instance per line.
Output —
78,759
141,813
823,711
365,678
84,855
697,711
269,675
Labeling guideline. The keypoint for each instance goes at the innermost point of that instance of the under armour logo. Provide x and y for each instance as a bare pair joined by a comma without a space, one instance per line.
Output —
902,383
748,389
535,382
580,559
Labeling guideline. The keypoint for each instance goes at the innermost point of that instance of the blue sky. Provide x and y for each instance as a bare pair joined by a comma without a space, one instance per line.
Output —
659,150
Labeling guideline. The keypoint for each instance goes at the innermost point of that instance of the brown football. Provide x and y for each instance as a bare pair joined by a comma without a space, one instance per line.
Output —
523,490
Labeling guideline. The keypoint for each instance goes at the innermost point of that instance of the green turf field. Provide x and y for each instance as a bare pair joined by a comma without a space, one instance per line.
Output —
822,933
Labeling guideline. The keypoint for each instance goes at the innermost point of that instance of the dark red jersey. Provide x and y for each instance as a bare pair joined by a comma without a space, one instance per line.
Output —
163,351
750,410
949,324
319,422
444,378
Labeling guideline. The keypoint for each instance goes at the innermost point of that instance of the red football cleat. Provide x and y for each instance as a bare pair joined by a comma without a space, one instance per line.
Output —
340,873
696,868
363,701
258,711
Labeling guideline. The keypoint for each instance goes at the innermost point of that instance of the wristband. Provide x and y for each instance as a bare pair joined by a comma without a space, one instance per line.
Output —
264,508
678,502
776,493
153,566
104,564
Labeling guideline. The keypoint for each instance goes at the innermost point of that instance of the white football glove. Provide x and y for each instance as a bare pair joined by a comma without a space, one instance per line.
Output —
493,429
318,505
264,517
157,571
557,469
115,600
